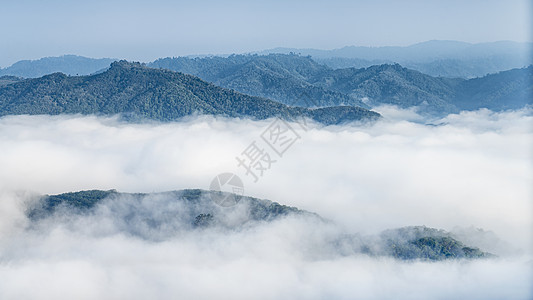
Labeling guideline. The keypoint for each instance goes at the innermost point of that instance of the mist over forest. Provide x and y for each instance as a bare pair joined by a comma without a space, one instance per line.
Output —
266,149
466,174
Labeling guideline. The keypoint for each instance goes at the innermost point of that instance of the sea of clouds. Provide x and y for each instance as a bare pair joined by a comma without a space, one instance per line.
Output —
459,173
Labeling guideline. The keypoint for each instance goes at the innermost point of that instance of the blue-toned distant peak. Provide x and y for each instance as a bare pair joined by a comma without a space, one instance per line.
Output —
67,64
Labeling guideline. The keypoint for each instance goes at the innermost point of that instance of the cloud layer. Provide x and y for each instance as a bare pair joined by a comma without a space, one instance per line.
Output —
467,170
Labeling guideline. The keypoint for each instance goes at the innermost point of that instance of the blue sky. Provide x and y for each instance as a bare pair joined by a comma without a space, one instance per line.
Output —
145,30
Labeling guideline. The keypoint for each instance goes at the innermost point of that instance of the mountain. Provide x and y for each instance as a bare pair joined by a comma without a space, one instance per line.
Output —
392,84
67,64
200,204
428,243
437,58
451,59
279,77
469,68
294,80
505,90
140,92
161,216
284,77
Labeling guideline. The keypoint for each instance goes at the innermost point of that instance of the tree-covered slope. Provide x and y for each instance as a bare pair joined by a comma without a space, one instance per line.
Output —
505,90
286,77
290,79
279,77
427,243
392,84
83,201
136,90
160,216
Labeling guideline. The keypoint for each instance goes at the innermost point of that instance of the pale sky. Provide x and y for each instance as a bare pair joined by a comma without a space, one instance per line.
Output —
146,30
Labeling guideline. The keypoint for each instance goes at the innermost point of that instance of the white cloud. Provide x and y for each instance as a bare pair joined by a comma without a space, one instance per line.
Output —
472,169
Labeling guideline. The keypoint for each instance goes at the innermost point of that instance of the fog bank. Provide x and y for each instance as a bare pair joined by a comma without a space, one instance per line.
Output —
466,171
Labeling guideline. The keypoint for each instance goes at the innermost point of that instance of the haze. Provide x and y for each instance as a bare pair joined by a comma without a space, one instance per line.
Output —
143,31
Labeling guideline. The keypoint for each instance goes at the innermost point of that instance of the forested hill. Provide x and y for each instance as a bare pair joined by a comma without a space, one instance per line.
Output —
136,90
282,76
505,90
161,216
394,84
241,86
279,77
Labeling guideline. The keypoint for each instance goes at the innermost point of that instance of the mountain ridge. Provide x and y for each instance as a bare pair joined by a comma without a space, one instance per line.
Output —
446,58
134,89
68,64
278,77
374,85
297,80
198,211
436,57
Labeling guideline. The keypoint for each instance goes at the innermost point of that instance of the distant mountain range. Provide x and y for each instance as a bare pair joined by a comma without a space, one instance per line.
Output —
451,59
437,58
194,210
284,76
67,64
136,91
243,85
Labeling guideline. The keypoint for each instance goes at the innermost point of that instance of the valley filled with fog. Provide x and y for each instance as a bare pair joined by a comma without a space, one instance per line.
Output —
467,173
292,149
